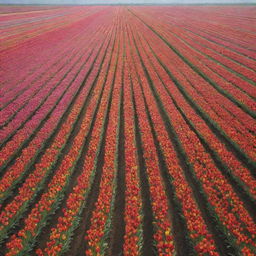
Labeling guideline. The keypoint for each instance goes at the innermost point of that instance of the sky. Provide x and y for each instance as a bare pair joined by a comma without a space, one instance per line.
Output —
121,1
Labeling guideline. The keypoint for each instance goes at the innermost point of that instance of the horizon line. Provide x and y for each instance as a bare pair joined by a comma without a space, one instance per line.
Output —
133,3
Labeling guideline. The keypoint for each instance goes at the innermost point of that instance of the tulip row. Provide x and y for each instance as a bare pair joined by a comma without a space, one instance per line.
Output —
9,9
67,100
242,22
225,155
198,34
48,74
234,133
223,113
31,127
25,238
61,233
36,101
19,169
101,220
202,31
202,239
209,58
40,61
229,34
228,158
244,40
223,122
235,61
133,199
242,61
22,115
23,98
15,210
34,182
21,83
140,104
163,237
226,51
222,59
38,28
11,82
213,183
206,66
221,86
218,31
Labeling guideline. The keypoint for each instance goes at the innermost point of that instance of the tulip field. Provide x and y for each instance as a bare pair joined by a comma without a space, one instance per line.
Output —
128,130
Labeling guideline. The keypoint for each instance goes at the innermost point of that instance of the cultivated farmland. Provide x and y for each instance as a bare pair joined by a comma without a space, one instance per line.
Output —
128,130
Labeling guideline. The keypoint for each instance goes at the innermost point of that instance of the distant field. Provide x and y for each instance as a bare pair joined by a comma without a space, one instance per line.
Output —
128,130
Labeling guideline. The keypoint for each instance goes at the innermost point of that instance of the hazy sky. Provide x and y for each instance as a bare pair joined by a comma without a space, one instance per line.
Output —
121,1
